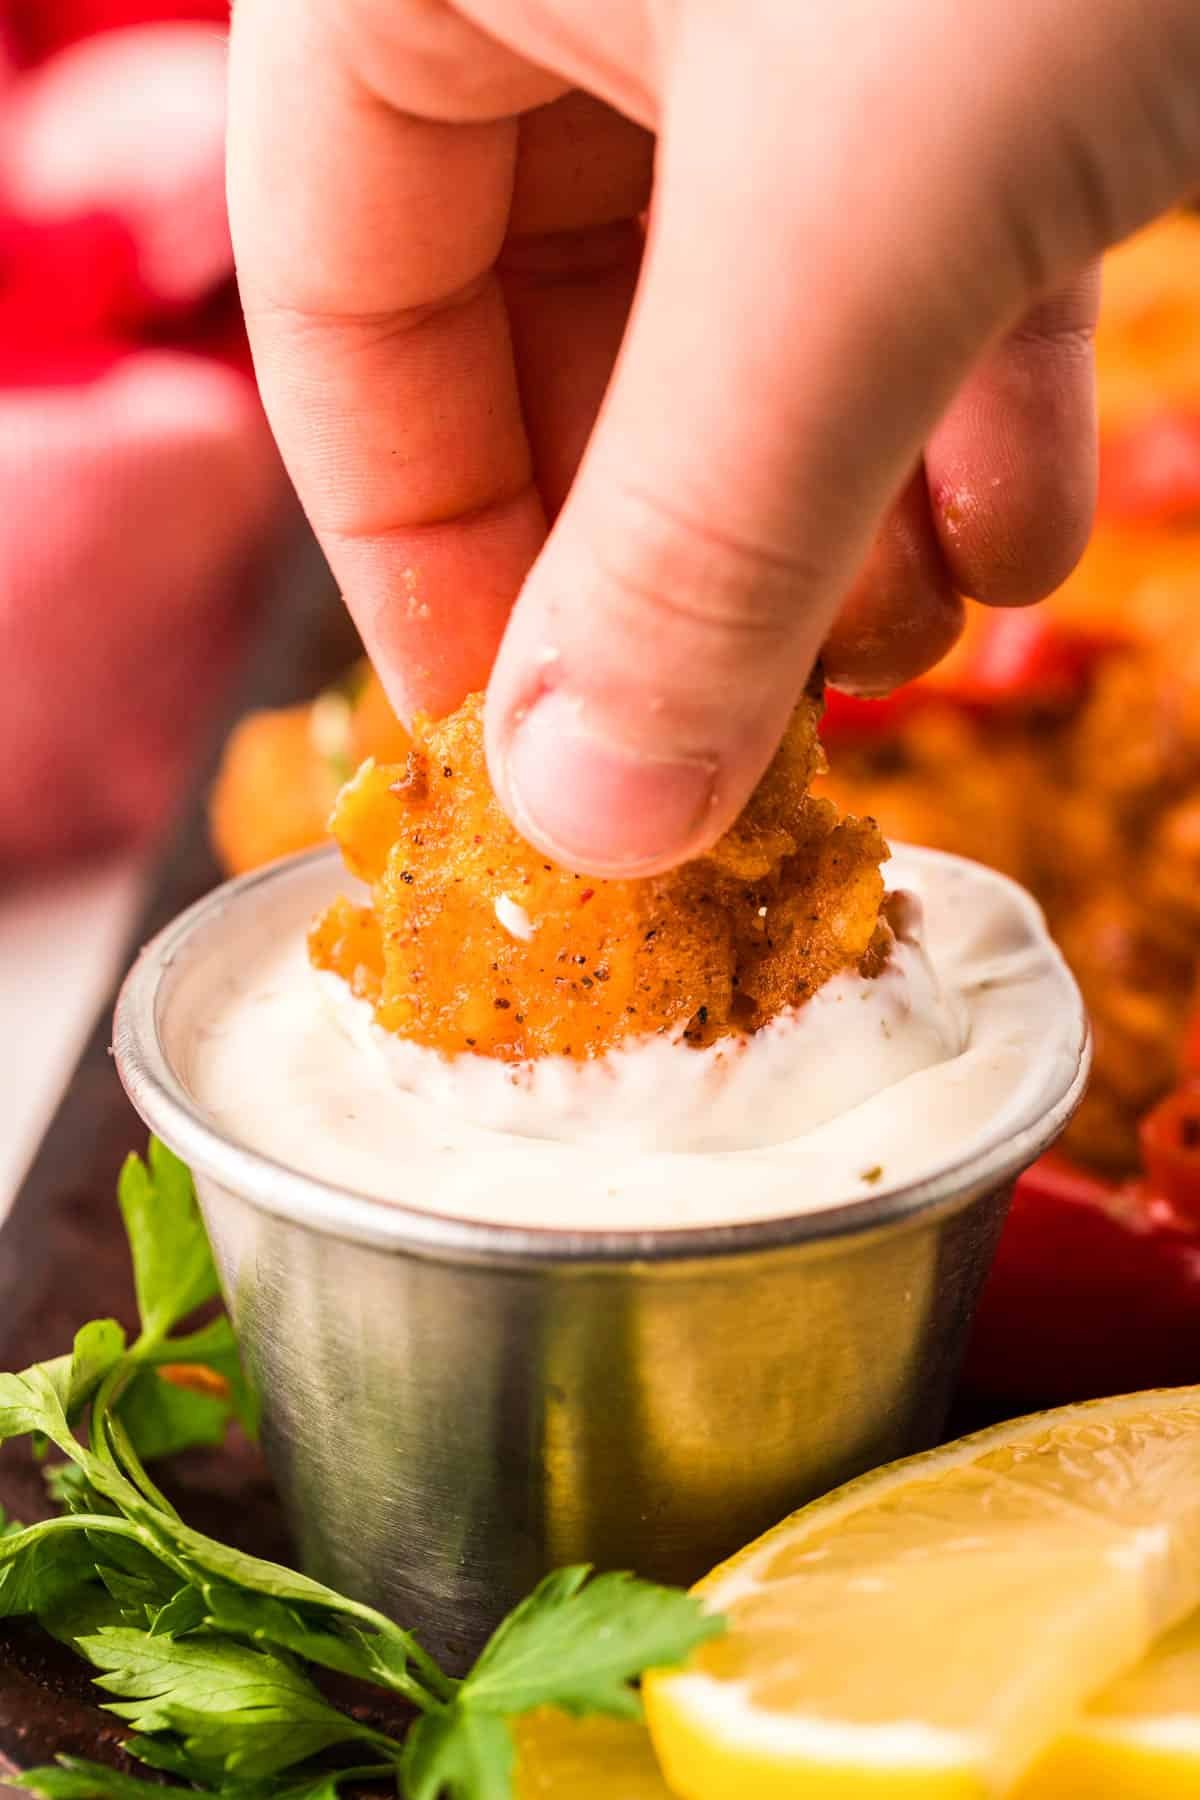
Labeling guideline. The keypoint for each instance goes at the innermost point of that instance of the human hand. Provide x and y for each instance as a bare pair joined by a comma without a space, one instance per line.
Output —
854,381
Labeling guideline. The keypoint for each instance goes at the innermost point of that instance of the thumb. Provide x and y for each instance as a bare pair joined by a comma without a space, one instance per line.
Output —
777,378
810,302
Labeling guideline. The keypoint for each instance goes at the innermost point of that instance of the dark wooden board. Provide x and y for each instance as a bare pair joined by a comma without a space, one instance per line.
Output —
62,1253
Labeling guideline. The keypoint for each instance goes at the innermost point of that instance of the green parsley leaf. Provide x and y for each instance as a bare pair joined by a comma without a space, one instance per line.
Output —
392,1646
163,1418
205,1556
173,1268
35,1401
243,1709
204,1649
263,1744
98,1348
579,1645
40,1565
80,1614
138,1581
183,1614
328,1642
324,1785
167,1755
459,1751
215,1347
68,1487
33,1404
74,1779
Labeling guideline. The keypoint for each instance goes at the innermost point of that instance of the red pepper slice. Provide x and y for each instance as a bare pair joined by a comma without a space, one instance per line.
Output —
1054,1180
1189,1055
1011,661
1031,658
1150,473
849,718
1170,1140
1095,1290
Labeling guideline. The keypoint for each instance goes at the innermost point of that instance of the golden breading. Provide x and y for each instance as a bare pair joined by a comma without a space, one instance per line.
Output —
347,938
486,946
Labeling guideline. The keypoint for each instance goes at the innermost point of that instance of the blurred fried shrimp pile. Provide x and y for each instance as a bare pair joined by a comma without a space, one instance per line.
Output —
282,770
1129,800
1097,810
474,942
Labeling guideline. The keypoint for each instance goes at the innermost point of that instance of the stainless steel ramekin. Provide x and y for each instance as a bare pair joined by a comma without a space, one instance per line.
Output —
450,1408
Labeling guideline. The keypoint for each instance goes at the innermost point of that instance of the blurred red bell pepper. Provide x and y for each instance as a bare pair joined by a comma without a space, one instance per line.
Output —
40,27
848,718
1095,1290
1096,1285
1170,1141
1030,658
1018,660
71,301
1150,472
1189,1055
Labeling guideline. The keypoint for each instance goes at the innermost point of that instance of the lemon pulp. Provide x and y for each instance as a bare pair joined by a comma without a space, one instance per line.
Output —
927,1631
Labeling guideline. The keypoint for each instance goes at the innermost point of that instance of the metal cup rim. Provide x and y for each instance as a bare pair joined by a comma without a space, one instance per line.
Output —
169,1111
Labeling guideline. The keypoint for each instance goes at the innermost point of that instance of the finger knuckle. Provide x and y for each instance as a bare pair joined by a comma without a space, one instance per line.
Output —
1050,332
694,571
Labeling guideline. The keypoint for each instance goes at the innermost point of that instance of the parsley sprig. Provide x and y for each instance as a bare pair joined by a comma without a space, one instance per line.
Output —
210,1656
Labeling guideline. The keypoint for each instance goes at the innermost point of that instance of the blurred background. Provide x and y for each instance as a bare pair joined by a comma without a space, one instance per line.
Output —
142,506
141,490
153,566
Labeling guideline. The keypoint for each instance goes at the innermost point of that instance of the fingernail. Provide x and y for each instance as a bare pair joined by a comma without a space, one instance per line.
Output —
599,806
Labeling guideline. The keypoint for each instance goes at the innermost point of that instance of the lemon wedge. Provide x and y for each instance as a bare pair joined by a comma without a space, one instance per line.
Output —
560,1758
1140,1740
926,1632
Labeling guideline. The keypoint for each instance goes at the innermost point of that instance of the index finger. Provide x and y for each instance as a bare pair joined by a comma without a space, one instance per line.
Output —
365,242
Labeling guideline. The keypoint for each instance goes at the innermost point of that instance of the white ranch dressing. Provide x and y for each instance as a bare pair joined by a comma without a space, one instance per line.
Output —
851,1039
972,1031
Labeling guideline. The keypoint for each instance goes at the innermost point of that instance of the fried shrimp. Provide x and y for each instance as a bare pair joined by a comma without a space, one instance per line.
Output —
475,942
282,769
